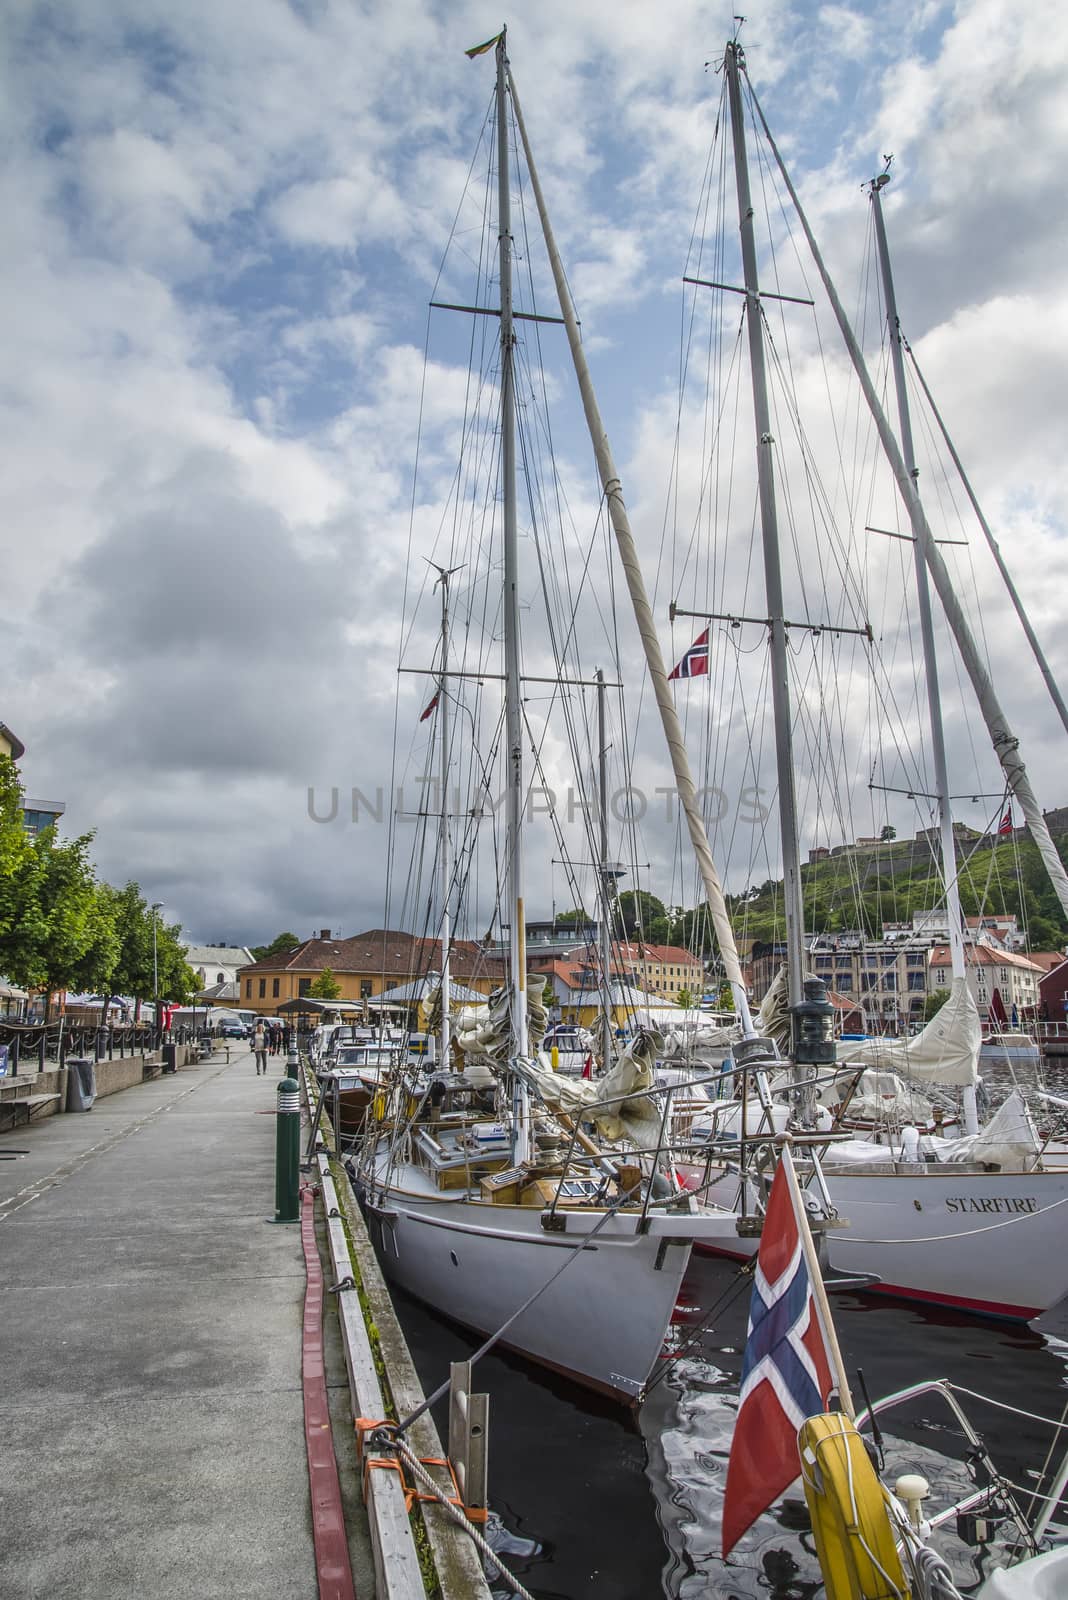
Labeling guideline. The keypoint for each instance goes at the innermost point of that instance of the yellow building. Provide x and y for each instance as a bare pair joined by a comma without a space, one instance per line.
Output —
365,967
9,745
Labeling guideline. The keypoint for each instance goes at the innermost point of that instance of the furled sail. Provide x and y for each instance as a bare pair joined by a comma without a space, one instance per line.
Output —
619,1103
946,1051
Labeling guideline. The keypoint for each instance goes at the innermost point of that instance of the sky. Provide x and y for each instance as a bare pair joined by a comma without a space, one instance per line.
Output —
223,226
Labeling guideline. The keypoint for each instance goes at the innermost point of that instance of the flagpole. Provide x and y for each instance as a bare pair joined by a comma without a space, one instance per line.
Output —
819,1288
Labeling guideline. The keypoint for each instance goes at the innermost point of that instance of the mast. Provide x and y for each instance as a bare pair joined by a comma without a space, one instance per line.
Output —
1006,744
780,670
617,511
606,879
995,550
444,575
930,657
513,711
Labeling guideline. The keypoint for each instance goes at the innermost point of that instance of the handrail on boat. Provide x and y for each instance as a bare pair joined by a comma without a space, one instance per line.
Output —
1031,1535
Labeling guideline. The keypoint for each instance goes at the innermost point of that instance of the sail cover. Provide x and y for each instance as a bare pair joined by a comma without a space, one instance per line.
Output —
946,1051
618,1103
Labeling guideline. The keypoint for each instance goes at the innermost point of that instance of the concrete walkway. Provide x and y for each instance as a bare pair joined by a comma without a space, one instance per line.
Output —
150,1339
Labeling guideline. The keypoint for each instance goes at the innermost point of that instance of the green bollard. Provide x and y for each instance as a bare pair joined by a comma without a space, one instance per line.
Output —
287,1153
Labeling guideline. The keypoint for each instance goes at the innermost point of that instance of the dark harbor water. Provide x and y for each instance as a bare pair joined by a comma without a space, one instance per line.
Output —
625,1508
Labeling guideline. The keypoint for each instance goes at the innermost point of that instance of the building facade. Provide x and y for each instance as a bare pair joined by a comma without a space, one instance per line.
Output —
365,967
989,971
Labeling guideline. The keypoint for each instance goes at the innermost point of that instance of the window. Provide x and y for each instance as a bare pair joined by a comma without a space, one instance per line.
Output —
220,977
845,982
916,980
263,987
367,988
274,988
823,963
915,959
303,985
248,988
889,980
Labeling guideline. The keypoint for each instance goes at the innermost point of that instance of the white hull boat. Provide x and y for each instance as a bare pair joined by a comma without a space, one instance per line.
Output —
982,1242
477,1257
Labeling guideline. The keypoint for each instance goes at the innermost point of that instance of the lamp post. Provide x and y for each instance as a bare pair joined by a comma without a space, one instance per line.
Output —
156,906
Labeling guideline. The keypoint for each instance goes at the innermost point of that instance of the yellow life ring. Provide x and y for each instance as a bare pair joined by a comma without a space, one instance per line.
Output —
854,1535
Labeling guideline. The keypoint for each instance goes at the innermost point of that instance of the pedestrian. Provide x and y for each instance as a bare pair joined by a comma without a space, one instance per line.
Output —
259,1046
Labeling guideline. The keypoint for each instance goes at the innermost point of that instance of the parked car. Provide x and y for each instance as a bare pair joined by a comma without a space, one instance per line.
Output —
232,1028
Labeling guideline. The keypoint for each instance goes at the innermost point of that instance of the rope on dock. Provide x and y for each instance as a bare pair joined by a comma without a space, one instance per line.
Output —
384,1438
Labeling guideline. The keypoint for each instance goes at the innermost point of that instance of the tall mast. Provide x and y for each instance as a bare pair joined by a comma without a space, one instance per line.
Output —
513,716
1006,744
606,881
444,574
654,659
930,657
995,550
780,680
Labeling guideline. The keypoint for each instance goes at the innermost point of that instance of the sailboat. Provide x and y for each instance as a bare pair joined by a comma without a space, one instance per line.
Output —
486,1198
982,1233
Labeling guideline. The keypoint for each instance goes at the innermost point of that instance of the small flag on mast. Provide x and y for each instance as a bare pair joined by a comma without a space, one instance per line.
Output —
480,49
787,1370
695,661
1005,825
433,704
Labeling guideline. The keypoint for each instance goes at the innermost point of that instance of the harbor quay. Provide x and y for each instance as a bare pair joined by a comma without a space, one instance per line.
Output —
154,1347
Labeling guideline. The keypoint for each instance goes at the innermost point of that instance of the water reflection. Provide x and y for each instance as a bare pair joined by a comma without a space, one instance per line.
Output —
596,1502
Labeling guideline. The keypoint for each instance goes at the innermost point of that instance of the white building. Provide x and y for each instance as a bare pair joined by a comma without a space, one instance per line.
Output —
217,963
988,970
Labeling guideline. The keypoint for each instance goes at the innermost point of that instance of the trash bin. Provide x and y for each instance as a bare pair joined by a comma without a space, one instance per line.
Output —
81,1083
169,1057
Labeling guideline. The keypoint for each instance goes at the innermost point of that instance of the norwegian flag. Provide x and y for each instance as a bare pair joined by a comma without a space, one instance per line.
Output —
786,1373
695,661
1005,825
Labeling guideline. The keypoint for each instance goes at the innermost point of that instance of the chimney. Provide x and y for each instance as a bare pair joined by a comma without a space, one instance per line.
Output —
324,933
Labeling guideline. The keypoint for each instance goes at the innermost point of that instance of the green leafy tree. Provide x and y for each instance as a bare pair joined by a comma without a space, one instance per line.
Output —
572,919
281,941
934,1002
78,946
22,922
640,912
132,973
685,998
887,833
178,981
325,986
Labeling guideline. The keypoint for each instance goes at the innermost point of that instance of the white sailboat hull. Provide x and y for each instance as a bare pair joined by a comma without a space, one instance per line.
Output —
992,1243
602,1322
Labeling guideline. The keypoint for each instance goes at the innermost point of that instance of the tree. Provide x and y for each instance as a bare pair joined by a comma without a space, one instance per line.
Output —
280,942
887,833
178,981
77,947
639,911
685,998
572,919
132,973
325,986
548,995
934,1003
22,923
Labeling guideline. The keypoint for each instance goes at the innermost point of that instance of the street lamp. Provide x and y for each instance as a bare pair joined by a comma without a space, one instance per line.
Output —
156,907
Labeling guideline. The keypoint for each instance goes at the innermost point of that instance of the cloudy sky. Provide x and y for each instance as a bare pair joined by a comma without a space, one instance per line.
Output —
223,226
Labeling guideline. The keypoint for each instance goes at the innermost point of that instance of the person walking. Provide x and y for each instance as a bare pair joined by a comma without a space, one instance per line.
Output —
259,1046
